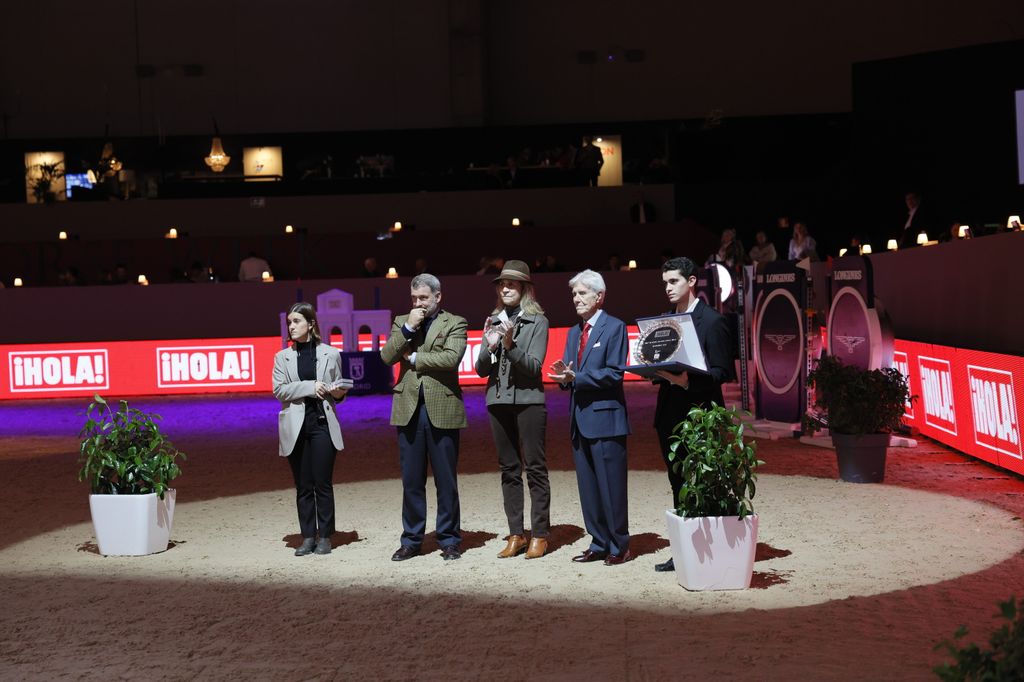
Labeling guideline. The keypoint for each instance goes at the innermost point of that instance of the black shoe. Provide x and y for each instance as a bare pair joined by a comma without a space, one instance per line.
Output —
665,567
451,552
306,547
406,552
323,546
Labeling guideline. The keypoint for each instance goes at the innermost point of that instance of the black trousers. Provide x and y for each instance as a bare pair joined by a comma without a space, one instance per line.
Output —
312,463
519,437
420,443
674,479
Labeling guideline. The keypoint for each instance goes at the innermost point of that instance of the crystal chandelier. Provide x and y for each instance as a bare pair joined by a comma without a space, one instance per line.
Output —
217,160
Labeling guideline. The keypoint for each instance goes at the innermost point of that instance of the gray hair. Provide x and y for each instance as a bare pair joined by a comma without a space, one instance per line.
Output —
589,279
426,280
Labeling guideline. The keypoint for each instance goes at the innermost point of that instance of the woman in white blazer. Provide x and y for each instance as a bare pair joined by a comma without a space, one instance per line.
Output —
304,381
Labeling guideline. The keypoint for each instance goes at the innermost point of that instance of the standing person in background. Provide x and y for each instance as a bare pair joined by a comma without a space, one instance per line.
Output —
589,160
512,357
591,369
309,435
427,411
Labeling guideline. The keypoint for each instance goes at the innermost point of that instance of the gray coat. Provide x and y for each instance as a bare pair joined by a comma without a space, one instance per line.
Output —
515,377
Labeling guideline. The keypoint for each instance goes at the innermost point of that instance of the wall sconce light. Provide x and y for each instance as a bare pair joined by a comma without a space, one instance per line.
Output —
632,265
515,222
892,245
288,229
171,233
62,235
143,281
922,238
842,252
964,232
1013,222
865,249
18,282
392,274
267,277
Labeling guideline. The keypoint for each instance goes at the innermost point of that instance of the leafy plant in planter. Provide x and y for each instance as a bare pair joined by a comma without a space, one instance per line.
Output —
717,465
861,408
124,452
1004,661
713,529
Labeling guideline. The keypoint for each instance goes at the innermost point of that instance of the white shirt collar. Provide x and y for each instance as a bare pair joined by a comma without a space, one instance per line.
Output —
593,320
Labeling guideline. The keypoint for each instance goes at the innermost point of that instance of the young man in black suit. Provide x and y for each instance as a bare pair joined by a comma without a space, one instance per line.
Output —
678,393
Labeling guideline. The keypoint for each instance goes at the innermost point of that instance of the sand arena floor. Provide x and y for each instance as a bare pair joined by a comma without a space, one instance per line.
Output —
851,582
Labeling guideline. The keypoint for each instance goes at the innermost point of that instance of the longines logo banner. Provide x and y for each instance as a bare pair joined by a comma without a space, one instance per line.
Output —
779,341
853,329
969,400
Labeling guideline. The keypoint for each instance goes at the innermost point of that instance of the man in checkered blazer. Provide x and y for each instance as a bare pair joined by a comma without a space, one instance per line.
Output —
428,411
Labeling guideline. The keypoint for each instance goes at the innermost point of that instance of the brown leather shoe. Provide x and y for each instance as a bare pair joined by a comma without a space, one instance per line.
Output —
538,548
589,556
616,559
516,545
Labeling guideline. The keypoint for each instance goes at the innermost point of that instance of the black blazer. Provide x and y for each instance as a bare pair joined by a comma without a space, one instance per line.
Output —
675,402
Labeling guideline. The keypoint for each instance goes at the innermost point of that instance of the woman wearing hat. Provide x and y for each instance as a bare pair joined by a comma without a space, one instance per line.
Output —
511,357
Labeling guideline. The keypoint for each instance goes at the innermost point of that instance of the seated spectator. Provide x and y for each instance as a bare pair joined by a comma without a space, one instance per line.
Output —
614,263
252,267
370,267
763,251
730,251
198,274
802,245
490,265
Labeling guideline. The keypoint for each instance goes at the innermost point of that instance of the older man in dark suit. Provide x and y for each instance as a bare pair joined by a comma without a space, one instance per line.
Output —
591,370
428,411
680,392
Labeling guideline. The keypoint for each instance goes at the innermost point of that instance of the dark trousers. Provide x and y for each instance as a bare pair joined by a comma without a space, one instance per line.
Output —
675,481
519,437
419,442
312,463
601,472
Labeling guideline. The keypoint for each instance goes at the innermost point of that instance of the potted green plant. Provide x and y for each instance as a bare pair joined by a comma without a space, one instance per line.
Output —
713,529
861,408
129,465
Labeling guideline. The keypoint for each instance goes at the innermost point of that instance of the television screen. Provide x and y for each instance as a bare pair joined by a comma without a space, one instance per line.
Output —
77,180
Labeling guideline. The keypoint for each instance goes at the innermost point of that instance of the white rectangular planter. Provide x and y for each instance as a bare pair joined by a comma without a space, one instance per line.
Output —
713,552
132,525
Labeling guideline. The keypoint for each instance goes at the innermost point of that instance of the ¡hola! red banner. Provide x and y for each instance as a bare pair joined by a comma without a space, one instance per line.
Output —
132,368
969,400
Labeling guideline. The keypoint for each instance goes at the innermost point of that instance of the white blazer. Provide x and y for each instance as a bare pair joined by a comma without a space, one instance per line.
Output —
292,392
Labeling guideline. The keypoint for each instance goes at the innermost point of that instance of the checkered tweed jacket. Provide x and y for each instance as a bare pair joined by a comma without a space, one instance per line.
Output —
437,371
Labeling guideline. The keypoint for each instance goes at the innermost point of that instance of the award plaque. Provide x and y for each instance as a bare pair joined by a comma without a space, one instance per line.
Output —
658,342
668,343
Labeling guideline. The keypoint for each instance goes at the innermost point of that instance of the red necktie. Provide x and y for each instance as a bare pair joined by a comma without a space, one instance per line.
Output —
583,343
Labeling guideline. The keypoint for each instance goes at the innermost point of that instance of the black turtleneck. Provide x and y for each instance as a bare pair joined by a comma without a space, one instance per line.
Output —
306,367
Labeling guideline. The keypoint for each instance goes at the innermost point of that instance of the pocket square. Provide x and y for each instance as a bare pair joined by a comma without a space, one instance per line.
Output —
596,345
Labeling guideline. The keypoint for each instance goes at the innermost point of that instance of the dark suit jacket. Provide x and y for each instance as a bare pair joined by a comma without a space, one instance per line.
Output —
597,404
675,402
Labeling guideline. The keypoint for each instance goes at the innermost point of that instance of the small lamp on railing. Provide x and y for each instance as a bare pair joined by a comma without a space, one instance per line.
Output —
62,235
288,229
171,233
397,227
865,249
892,245
632,265
266,276
18,282
964,232
392,273
515,222
1013,223
842,252
922,238
143,281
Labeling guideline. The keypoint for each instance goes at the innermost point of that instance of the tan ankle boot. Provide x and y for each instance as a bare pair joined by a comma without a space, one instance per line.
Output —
516,544
538,548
